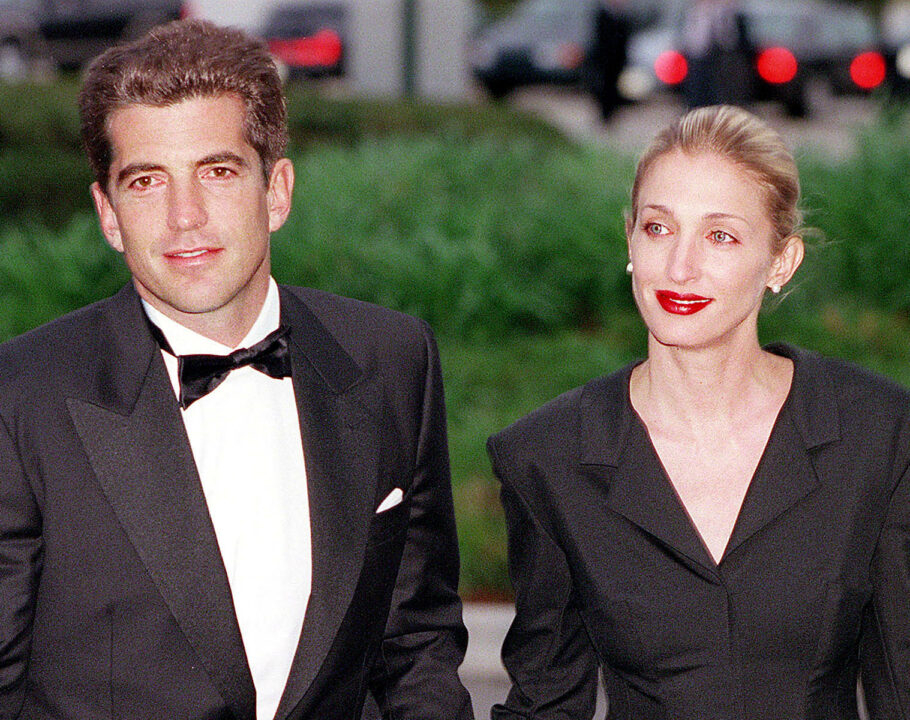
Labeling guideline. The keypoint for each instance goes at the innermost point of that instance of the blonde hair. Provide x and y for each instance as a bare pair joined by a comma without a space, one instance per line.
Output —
745,140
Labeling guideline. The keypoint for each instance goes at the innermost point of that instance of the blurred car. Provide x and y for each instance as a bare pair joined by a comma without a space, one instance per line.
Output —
308,40
68,33
541,41
552,42
788,42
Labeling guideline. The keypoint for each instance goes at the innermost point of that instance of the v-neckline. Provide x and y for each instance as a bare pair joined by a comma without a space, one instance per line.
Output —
771,445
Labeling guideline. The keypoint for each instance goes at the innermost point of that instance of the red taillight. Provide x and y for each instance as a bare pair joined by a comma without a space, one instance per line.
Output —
868,70
671,67
570,56
776,65
320,50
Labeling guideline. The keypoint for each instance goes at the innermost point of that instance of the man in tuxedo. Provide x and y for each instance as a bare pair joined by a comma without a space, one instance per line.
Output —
220,498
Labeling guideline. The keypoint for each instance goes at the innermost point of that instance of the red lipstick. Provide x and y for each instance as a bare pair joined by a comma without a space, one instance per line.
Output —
682,304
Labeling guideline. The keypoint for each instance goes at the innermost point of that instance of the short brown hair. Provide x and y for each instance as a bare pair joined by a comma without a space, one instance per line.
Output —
747,141
178,61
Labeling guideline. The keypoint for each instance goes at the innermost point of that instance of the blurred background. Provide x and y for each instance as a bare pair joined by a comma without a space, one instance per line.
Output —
470,163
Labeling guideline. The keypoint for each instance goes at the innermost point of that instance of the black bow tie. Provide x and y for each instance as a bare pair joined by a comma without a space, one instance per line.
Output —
200,374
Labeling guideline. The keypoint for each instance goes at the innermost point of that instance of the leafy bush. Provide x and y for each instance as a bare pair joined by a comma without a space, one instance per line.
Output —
477,237
44,275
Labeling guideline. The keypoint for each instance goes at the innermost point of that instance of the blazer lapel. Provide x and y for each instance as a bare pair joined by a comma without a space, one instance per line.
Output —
638,487
786,474
135,440
339,440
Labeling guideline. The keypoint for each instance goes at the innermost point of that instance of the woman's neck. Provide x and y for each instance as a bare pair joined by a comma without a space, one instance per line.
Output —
687,387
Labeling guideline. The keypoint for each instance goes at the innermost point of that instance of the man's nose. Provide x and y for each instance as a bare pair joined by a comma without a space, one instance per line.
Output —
186,206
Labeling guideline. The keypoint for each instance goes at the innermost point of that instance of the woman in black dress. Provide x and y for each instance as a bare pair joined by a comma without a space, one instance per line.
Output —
723,529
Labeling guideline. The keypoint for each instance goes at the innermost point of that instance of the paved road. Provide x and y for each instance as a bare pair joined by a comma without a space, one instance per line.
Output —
830,127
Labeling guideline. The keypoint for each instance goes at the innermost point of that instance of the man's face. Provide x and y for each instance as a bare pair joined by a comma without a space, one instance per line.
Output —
187,206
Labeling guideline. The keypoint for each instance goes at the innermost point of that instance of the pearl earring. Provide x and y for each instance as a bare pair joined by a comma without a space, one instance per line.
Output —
629,268
775,288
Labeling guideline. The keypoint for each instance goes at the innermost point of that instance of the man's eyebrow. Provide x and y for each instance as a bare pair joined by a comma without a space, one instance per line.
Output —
223,157
136,168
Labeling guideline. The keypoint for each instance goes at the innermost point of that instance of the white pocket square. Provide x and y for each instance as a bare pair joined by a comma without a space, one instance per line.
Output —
392,499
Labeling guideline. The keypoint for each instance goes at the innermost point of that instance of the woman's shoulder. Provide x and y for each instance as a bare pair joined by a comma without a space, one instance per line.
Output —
832,397
556,426
845,381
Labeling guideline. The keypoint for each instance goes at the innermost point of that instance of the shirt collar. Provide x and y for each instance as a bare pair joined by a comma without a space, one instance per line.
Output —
184,341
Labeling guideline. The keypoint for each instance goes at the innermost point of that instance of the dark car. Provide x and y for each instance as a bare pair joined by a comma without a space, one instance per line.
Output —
542,41
785,45
308,39
68,33
558,42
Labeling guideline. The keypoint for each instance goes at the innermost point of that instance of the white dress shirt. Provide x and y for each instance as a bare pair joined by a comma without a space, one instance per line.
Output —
245,437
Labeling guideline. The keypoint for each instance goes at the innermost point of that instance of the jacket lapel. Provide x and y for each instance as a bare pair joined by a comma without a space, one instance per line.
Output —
339,433
786,473
614,438
130,426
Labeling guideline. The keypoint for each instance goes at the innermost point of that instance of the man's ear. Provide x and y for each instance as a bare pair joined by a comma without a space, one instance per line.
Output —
787,261
110,226
280,193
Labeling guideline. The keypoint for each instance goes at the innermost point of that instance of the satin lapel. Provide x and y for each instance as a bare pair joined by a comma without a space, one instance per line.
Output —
340,450
612,436
139,451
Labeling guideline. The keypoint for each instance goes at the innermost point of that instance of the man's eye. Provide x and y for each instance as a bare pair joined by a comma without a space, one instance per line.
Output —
142,182
220,172
654,228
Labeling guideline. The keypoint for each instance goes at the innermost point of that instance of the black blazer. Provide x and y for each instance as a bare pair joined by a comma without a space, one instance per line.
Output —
608,571
114,602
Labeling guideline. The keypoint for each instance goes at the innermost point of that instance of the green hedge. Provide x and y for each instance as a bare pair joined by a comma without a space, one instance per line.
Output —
44,176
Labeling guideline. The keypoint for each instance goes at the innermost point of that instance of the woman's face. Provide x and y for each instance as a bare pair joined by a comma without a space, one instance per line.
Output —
701,250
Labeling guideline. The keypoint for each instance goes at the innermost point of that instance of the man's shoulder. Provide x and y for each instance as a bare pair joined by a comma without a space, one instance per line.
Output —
68,333
344,312
362,328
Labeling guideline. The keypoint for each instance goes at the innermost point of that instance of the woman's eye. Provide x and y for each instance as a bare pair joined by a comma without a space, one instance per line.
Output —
722,237
654,228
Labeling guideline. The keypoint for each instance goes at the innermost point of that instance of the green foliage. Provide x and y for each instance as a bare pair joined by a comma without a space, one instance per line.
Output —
860,206
39,116
315,119
478,237
45,274
44,176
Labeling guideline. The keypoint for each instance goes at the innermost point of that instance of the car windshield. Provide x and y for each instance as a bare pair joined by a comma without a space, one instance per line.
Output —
801,28
769,27
553,11
847,30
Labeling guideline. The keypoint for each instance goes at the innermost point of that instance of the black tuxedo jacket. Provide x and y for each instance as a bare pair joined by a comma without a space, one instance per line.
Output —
814,586
114,602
